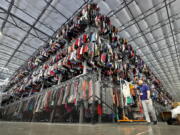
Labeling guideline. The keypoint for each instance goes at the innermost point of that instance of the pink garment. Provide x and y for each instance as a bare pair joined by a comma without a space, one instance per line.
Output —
68,108
90,88
84,88
103,57
76,92
90,91
52,73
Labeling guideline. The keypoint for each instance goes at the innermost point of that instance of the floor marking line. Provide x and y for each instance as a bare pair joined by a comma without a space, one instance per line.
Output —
142,132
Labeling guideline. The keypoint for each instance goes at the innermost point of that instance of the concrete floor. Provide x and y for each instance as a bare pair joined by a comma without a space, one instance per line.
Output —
20,128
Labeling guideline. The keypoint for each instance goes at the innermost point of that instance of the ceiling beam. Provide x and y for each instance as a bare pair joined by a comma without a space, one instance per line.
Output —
173,36
32,27
42,23
2,44
25,22
23,29
153,60
159,50
161,39
28,32
8,12
118,10
6,73
164,31
122,28
57,10
11,61
13,38
151,29
10,55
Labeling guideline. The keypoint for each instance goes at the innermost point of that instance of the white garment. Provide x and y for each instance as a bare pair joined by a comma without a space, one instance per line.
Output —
127,94
126,89
175,111
97,89
0,98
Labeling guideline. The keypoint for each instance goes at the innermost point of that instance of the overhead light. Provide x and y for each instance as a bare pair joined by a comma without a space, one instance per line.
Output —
3,68
0,33
4,82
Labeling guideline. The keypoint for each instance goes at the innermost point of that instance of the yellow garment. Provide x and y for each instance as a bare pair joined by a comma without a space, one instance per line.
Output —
131,86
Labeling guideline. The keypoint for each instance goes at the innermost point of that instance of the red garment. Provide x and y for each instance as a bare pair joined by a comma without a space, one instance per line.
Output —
114,38
85,48
85,38
58,57
52,73
77,42
99,110
103,57
81,66
68,108
35,90
84,88
133,54
140,107
78,53
47,101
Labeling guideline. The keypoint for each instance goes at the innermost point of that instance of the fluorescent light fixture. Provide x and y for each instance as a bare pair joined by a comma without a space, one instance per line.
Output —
3,68
4,82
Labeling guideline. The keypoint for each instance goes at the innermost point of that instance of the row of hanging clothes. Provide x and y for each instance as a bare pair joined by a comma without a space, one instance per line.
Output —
65,99
68,97
125,98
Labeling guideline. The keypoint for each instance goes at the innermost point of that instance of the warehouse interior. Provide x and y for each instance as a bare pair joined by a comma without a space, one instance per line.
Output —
137,40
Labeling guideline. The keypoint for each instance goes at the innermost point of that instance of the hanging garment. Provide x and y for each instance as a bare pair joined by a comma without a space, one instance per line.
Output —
97,88
68,108
47,101
31,104
85,86
39,103
91,50
71,93
80,91
103,58
85,38
90,91
67,92
99,110
94,37
126,93
53,98
132,90
61,95
108,100
76,97
117,96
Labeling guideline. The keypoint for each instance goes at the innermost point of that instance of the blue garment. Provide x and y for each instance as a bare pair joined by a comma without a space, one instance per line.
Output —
154,95
143,90
93,37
